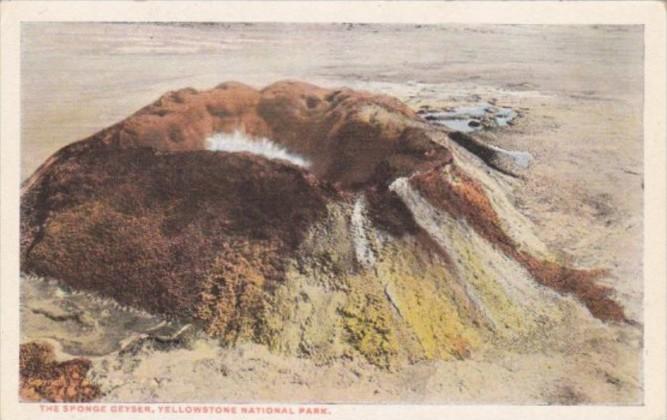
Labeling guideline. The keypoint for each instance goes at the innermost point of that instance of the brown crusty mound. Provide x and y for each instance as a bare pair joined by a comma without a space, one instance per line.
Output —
143,213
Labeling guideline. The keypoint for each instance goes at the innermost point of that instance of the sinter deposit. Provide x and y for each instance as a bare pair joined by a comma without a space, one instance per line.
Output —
326,224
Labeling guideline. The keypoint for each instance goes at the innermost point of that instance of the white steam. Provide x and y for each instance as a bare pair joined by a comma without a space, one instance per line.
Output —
240,142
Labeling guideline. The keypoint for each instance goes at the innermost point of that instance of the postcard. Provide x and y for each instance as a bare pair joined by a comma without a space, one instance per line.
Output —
333,210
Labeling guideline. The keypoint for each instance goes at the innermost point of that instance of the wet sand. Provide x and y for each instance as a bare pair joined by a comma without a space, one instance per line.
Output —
578,90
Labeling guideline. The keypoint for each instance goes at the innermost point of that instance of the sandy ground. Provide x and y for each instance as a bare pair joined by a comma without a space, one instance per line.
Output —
578,90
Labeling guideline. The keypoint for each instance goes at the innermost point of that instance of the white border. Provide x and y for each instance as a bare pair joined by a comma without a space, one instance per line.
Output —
651,14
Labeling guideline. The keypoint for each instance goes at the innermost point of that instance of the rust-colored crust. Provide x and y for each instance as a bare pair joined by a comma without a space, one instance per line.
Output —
44,379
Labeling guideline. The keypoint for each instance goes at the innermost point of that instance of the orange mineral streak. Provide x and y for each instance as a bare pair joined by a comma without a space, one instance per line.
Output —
450,189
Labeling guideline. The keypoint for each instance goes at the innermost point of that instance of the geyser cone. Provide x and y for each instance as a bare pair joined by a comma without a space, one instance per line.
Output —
346,226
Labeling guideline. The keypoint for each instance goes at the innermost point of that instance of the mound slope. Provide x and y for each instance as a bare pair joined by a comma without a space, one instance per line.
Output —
388,245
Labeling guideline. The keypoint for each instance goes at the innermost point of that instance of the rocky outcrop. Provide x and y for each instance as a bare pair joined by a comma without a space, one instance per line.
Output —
384,246
44,379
